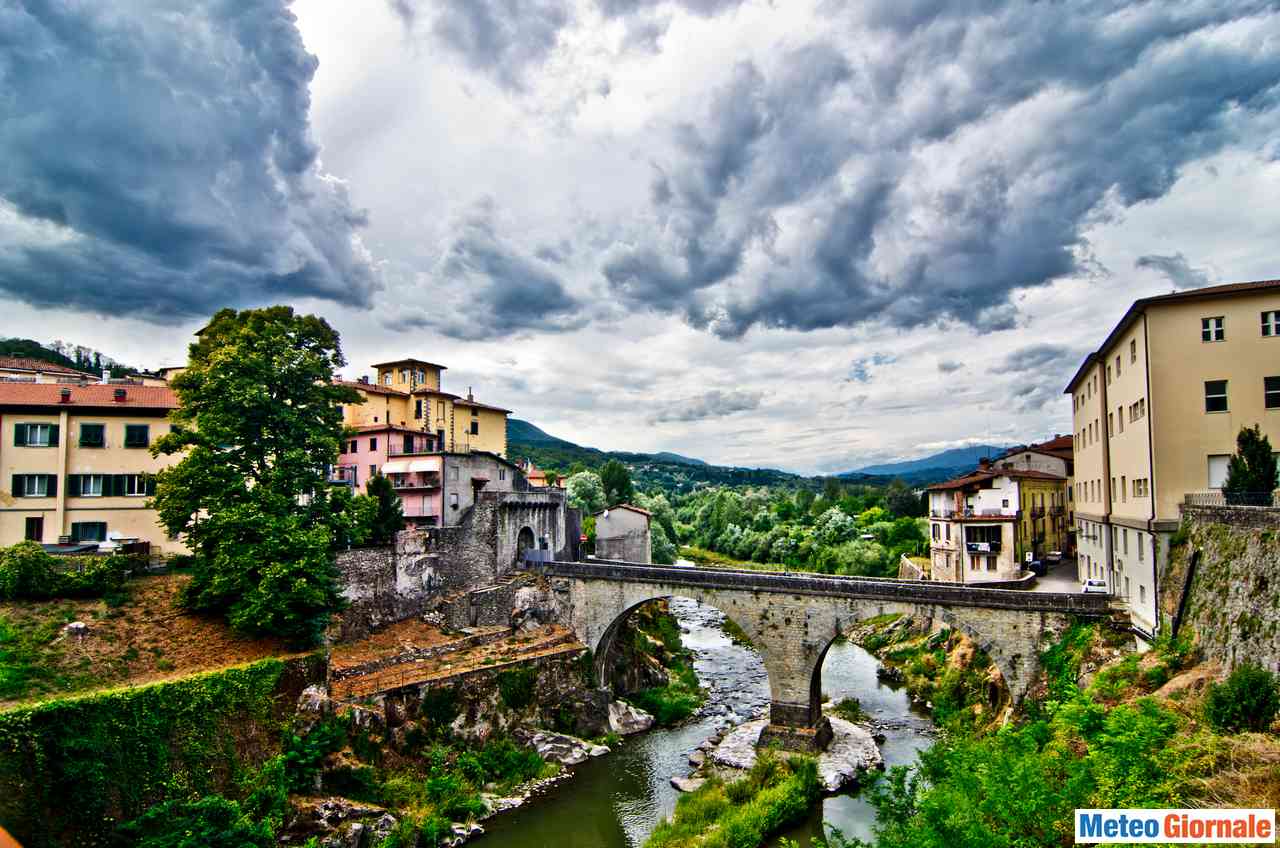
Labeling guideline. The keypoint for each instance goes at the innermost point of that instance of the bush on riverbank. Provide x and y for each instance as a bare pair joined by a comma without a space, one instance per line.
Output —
654,639
776,792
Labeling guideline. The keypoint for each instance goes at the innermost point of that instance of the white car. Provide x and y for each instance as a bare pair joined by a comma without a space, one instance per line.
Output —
1095,585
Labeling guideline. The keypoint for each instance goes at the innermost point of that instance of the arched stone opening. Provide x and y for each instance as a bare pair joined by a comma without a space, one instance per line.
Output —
525,541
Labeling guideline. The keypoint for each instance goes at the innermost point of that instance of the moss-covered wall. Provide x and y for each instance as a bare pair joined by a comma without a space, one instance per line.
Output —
72,769
1233,601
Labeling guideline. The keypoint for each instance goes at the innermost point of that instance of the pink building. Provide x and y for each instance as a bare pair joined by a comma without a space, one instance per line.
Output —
406,457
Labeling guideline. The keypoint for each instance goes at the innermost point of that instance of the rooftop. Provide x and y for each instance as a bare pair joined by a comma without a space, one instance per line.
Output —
625,506
1139,306
26,363
984,474
396,362
479,405
93,395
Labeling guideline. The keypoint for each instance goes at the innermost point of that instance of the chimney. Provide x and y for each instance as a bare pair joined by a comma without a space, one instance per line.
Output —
64,396
119,396
106,376
470,396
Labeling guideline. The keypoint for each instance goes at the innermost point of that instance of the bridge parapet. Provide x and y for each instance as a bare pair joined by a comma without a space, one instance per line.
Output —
870,588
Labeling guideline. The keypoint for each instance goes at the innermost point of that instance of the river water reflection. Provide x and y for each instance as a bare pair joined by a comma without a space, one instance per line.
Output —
615,801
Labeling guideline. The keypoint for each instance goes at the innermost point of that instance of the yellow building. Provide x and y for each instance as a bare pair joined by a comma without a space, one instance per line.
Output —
22,369
76,465
408,393
1156,412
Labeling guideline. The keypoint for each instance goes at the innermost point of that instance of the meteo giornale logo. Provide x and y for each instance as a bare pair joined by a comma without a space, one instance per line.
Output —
1226,827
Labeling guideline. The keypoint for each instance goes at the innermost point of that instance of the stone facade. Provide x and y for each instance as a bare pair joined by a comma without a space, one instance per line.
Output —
622,533
793,620
1223,584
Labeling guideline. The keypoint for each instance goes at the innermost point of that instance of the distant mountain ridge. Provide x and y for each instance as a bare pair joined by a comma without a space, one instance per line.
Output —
955,459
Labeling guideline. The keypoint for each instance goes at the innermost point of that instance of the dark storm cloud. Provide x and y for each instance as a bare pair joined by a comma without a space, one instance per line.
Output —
160,164
501,290
1176,269
501,38
1040,358
713,404
942,175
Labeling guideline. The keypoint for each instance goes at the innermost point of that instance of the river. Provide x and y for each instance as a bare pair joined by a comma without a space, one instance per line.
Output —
615,801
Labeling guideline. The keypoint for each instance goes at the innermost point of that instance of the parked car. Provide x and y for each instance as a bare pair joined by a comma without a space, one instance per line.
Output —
1095,585
1053,557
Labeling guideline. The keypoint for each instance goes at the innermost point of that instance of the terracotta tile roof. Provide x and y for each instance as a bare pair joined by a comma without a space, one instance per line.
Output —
479,405
1140,306
982,475
94,395
25,363
408,362
371,388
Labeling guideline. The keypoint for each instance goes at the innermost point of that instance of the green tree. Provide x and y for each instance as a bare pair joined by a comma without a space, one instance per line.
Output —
258,424
586,492
552,477
661,549
900,500
1251,471
388,520
617,483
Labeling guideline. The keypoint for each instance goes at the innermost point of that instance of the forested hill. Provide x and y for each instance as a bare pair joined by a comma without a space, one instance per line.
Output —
67,355
668,471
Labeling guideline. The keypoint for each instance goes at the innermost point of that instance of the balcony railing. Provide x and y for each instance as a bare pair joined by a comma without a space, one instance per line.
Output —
1037,512
344,474
1057,509
416,480
942,513
982,547
426,446
1219,498
420,510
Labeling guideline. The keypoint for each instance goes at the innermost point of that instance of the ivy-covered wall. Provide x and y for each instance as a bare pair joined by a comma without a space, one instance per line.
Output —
1233,599
72,769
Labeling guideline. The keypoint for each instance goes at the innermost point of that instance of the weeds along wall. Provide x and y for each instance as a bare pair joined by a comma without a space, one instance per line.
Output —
72,769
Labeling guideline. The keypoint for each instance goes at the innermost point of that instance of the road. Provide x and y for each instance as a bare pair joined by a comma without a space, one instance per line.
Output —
1061,578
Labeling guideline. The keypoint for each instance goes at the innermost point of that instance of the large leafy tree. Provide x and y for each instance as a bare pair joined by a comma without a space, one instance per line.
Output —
258,423
586,492
1251,471
617,483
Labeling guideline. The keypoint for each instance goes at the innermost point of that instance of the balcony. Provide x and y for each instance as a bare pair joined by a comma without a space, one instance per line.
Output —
344,475
424,513
416,480
1037,512
1057,509
421,445
942,513
982,547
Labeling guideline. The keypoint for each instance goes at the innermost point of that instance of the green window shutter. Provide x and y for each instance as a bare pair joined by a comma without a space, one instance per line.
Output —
75,531
73,485
53,485
151,485
53,435
19,484
19,435
117,484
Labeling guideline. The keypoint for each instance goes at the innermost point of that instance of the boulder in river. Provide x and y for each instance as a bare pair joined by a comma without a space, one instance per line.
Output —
851,752
688,784
625,719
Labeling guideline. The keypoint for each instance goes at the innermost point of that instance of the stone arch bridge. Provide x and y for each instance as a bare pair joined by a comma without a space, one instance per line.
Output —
794,618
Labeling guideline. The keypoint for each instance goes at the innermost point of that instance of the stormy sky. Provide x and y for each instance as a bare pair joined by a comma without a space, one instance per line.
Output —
808,235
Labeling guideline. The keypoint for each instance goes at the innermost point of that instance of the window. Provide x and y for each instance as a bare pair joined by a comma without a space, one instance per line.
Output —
937,532
408,443
1111,424
1117,368
386,378
1271,392
1124,534
1133,350
948,531
1142,592
342,448
1212,329
93,435
417,408
474,412
90,485
475,428
137,435
1218,469
1141,553
34,531
453,499
1124,488
35,486
453,472
1120,418
352,447
1215,395
373,470
138,485
991,563
89,531
1271,323
35,435
1108,375
373,444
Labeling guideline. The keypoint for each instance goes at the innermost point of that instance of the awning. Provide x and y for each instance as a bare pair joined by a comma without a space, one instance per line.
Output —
423,465
396,466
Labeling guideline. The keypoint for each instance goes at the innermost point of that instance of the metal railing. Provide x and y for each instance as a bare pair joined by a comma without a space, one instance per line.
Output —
1220,498
425,480
429,446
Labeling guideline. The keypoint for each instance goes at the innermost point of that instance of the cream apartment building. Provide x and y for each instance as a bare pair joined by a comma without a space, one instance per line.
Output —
75,464
1156,412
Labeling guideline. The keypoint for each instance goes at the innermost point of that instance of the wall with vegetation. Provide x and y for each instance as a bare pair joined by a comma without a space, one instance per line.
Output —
72,769
1233,600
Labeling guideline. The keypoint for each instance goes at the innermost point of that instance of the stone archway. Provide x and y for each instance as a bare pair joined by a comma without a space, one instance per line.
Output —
525,541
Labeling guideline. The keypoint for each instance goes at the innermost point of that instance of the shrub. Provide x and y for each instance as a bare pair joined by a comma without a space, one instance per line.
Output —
26,573
1247,700
516,687
213,821
850,709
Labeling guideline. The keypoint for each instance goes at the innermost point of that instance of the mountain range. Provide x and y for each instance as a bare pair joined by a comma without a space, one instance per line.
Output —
673,470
